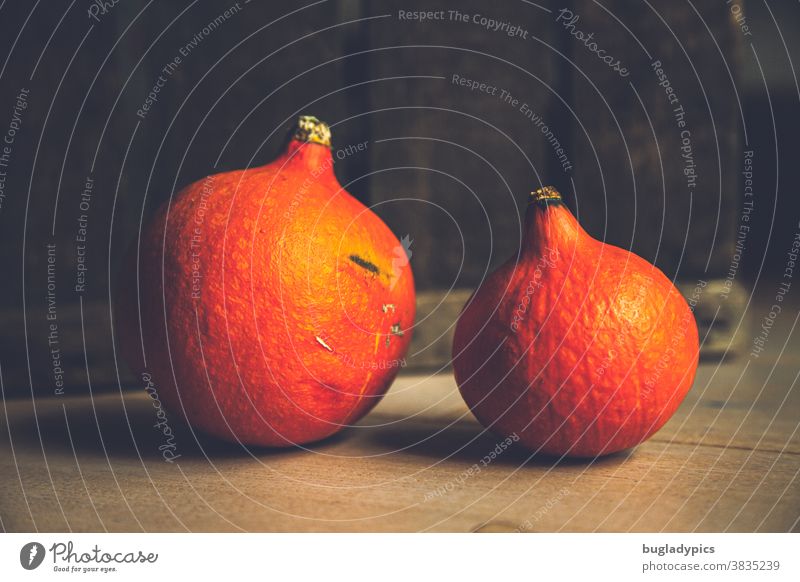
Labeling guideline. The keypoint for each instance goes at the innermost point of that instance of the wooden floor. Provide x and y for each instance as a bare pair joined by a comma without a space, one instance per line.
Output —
728,461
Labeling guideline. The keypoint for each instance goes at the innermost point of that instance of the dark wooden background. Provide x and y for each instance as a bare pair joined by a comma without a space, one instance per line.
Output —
449,167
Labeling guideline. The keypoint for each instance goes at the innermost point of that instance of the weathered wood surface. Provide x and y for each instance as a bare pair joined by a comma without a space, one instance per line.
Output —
454,150
728,461
659,149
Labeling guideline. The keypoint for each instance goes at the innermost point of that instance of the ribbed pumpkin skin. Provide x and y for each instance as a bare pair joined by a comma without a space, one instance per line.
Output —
304,310
578,347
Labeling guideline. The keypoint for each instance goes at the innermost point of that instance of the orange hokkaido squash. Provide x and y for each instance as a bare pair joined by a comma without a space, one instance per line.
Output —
577,347
274,307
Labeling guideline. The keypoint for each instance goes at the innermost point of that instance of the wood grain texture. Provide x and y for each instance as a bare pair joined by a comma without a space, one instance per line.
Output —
452,158
631,150
728,461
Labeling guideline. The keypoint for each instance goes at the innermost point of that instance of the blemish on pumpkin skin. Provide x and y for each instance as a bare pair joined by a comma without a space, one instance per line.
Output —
321,342
365,264
396,329
387,306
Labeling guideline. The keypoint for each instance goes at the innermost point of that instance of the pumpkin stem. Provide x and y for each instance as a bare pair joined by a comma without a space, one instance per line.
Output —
549,224
546,195
311,130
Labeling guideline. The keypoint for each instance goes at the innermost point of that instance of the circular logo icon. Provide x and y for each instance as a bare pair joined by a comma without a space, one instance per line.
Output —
31,555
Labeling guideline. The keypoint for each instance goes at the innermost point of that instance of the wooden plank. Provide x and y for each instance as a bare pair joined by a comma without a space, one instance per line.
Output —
454,157
409,466
658,172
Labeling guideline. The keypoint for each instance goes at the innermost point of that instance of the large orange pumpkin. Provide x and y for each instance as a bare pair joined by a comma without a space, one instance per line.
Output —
275,308
577,347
